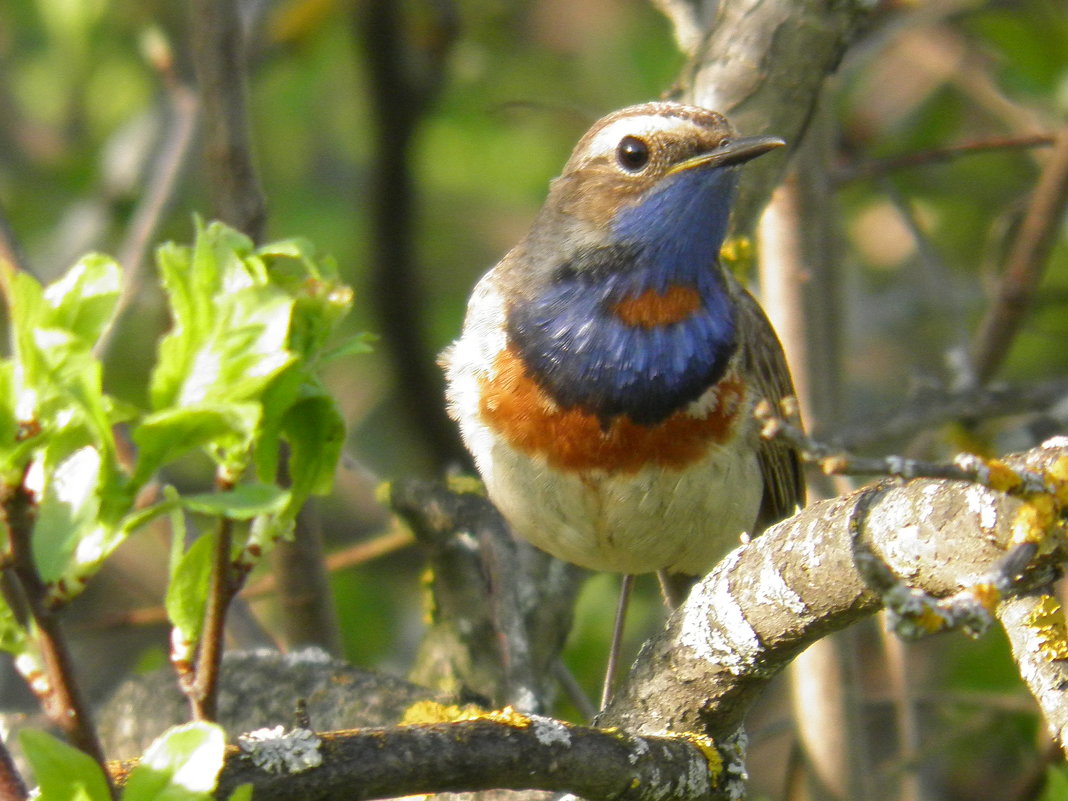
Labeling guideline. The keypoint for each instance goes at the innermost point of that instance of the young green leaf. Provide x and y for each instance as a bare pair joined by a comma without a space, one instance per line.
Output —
63,773
84,299
182,764
171,433
243,502
187,591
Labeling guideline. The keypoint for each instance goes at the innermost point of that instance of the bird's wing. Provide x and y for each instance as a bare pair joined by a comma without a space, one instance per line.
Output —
765,364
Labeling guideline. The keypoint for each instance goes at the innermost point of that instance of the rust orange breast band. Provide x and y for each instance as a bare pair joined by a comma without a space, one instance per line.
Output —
651,308
570,439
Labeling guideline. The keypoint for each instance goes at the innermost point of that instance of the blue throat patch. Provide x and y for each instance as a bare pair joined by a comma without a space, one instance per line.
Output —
579,351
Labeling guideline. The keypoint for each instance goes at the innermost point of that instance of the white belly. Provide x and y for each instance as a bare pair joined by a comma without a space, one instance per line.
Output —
656,518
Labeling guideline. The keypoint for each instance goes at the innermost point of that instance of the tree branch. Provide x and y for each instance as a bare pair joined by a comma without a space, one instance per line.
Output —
405,75
57,689
219,59
501,750
763,65
800,580
1025,264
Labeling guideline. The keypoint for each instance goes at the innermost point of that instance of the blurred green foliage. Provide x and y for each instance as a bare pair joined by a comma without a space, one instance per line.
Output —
85,108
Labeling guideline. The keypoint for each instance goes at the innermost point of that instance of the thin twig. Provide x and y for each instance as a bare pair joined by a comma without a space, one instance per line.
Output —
354,556
923,158
203,691
834,460
934,408
58,689
179,123
1025,264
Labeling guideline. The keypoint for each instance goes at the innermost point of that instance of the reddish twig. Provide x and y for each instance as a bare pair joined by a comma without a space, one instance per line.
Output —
356,555
1024,265
57,689
202,686
12,787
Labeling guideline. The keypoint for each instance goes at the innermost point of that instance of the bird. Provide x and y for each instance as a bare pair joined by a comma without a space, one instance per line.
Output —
608,366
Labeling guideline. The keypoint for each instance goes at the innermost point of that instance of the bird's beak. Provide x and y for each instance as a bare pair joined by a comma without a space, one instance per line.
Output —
736,151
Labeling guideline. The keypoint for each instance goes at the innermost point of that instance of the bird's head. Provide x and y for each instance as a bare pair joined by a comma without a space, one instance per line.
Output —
657,170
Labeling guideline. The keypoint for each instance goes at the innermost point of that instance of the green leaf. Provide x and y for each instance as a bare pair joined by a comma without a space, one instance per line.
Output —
354,345
187,591
63,773
242,793
230,323
166,435
243,502
68,514
84,299
182,764
315,431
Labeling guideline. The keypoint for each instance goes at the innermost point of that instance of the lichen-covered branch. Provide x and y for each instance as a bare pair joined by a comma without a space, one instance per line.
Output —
1035,626
500,750
800,580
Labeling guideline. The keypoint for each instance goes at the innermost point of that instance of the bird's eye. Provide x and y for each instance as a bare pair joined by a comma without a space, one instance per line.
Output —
632,154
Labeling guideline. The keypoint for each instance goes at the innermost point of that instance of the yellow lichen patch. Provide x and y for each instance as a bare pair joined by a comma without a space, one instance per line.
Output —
1033,522
1002,477
707,747
987,595
930,620
466,485
507,715
433,712
1058,476
1047,621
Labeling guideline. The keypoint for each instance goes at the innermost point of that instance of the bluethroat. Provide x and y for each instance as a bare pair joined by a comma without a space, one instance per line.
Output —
609,365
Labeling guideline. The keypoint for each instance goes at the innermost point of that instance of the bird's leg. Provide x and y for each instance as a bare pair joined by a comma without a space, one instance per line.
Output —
625,588
674,587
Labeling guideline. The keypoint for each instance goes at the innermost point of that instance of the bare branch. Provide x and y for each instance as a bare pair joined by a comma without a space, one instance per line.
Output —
873,168
405,75
495,629
763,65
1025,264
219,58
179,123
932,408
1038,646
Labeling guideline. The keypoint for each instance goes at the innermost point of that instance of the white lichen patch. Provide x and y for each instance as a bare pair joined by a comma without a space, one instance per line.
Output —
983,504
772,589
715,628
279,751
550,732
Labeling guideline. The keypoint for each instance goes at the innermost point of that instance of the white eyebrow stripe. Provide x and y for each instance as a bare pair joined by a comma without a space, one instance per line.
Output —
607,139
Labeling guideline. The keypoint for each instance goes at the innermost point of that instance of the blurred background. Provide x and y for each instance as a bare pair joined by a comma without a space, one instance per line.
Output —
414,142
